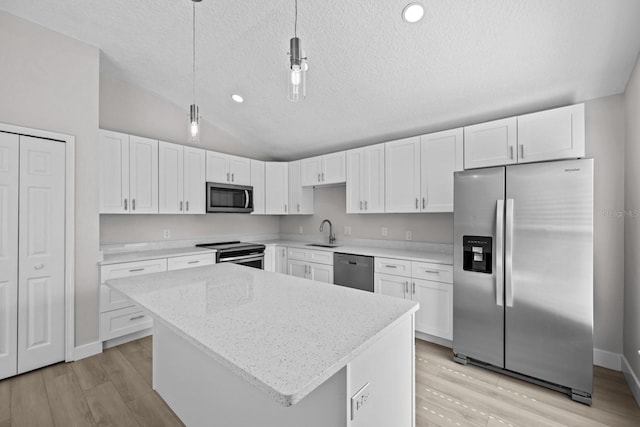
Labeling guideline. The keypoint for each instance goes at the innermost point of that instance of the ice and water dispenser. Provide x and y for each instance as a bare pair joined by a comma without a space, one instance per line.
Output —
477,253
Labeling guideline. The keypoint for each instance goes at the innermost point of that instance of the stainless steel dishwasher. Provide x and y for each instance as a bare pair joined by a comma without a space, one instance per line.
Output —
353,271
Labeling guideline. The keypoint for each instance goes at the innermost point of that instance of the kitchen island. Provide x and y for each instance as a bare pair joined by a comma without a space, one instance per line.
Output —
235,346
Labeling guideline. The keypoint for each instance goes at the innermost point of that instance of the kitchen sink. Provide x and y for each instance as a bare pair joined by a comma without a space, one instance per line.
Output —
323,245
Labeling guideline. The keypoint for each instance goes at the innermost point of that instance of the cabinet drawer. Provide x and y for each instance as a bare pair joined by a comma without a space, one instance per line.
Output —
112,300
398,267
431,271
188,261
128,269
297,253
321,257
124,321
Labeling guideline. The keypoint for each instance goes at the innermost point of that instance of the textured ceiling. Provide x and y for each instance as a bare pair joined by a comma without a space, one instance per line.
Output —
371,76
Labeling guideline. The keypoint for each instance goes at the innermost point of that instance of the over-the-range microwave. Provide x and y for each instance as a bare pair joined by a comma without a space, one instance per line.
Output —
229,198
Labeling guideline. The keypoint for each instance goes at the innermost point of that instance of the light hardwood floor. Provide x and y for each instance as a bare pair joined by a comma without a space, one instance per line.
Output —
114,389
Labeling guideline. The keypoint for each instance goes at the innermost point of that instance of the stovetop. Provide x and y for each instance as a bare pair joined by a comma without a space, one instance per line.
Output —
231,246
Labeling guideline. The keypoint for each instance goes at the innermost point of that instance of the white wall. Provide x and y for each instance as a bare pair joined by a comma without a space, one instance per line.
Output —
50,82
632,224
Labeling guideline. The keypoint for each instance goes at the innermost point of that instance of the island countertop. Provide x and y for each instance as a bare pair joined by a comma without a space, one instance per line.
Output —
283,334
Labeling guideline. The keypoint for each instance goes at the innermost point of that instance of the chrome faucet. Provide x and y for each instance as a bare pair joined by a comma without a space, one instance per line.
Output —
332,237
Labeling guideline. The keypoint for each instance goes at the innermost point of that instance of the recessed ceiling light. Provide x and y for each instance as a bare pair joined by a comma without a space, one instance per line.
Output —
237,98
413,12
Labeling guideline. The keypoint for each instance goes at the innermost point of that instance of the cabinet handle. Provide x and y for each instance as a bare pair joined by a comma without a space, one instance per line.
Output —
391,266
322,176
133,204
366,205
360,204
318,177
413,288
125,204
181,206
511,152
432,271
298,207
285,207
424,202
187,205
38,266
228,180
133,270
140,316
406,287
522,151
193,262
232,178
416,203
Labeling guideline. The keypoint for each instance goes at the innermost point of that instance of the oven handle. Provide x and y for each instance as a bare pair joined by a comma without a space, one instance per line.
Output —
243,258
246,198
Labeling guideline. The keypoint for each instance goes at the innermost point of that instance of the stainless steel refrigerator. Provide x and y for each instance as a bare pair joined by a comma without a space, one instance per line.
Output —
523,272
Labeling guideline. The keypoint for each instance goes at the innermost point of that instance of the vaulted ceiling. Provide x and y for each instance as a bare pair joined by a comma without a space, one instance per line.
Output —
372,77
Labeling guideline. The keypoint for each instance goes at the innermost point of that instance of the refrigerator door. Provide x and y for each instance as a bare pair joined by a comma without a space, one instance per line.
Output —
478,316
549,272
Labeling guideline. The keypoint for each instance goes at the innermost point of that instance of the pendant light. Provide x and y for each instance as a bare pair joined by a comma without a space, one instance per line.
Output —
296,74
194,110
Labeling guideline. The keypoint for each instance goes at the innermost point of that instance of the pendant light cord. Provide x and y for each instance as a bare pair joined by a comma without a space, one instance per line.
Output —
295,26
194,52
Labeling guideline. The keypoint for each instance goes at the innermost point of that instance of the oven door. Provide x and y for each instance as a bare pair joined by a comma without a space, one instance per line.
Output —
253,260
229,198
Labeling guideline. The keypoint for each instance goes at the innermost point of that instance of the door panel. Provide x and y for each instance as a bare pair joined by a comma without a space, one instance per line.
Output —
478,322
41,314
402,175
240,168
170,175
114,172
441,154
549,325
257,182
436,303
490,144
333,167
298,268
218,167
194,180
9,152
143,175
373,179
321,273
355,188
394,286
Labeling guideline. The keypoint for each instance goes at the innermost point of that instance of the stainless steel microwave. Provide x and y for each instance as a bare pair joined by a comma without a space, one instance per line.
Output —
229,198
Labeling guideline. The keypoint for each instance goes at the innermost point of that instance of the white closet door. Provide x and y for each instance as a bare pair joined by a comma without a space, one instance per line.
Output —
9,152
41,335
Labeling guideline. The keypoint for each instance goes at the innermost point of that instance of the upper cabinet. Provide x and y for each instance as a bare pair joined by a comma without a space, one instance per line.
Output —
128,168
181,179
228,169
257,182
441,154
300,198
276,188
546,135
402,175
324,170
365,179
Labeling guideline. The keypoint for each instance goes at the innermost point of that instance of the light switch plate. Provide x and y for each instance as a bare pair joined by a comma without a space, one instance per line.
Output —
359,400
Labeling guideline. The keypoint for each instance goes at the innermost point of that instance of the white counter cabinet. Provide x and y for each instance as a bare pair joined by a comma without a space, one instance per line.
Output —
310,264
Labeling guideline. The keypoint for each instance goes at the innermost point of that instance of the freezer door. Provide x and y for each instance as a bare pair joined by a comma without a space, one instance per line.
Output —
478,316
549,272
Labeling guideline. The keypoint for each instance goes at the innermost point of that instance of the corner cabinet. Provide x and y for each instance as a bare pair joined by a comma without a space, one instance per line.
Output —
324,170
276,188
300,198
365,179
257,182
228,169
181,176
128,168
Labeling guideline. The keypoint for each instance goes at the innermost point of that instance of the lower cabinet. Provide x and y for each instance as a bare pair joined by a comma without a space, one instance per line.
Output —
429,284
310,264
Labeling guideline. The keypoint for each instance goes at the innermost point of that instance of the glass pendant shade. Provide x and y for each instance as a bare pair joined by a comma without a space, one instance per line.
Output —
296,74
194,123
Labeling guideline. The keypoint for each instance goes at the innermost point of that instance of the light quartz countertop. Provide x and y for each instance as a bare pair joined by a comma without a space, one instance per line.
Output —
411,255
117,257
283,334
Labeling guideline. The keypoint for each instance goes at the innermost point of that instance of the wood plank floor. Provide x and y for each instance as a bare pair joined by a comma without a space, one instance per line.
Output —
114,389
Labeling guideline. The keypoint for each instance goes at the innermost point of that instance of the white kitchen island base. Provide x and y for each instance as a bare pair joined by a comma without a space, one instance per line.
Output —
202,392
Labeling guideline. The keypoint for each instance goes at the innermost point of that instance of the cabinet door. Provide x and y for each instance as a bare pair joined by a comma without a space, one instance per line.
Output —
270,258
490,144
402,175
257,182
218,167
334,167
300,198
394,286
441,155
9,166
552,134
240,168
298,268
355,181
435,316
41,278
276,188
373,179
281,259
194,180
311,170
114,172
170,177
143,175
321,273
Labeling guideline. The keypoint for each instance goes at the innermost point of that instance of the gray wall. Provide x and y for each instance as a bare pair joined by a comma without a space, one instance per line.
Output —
632,223
50,82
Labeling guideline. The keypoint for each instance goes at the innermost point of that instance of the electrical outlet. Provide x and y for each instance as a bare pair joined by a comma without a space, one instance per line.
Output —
166,234
384,231
408,235
301,229
347,230
359,400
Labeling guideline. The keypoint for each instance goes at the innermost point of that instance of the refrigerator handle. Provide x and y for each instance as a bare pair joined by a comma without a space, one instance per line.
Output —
499,253
508,259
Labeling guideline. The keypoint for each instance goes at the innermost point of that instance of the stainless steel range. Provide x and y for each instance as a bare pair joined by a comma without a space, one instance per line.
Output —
249,254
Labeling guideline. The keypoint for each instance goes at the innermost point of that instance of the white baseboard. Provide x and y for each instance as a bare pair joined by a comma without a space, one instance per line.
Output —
632,379
129,337
87,350
607,359
436,340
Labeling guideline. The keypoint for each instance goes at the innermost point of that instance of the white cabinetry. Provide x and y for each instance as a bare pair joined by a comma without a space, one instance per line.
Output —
181,179
300,198
365,179
545,135
324,170
276,188
128,173
441,154
310,264
281,259
257,182
429,284
402,175
228,169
